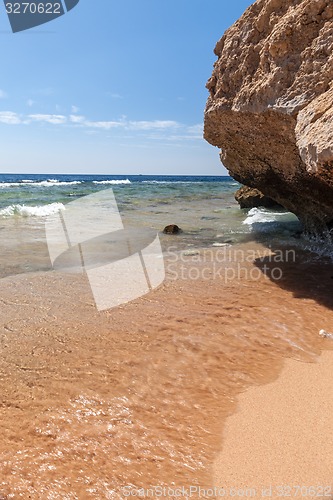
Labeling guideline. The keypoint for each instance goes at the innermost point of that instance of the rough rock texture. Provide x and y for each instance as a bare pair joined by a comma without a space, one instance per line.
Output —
270,106
248,197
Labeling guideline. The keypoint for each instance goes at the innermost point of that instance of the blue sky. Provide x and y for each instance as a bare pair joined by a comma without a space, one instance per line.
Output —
112,88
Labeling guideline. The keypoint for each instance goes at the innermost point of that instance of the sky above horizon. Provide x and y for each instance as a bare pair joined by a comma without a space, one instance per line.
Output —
113,89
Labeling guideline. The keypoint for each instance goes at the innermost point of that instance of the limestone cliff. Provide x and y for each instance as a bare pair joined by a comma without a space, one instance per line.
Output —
270,106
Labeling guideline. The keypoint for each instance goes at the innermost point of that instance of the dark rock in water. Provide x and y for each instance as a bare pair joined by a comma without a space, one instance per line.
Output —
248,197
172,229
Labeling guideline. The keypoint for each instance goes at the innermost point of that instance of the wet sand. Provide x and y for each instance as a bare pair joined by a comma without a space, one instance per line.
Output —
139,395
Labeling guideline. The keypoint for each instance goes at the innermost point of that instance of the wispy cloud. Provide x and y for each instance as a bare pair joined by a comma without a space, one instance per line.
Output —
30,103
53,119
106,125
76,118
114,95
3,94
153,125
125,124
75,109
169,130
10,118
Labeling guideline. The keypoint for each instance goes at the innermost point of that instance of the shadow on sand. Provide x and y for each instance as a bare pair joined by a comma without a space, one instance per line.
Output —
303,272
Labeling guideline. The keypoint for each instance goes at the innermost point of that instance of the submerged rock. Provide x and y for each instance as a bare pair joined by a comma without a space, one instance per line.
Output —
172,229
270,108
250,198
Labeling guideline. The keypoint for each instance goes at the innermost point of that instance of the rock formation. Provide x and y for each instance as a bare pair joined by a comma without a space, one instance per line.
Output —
270,108
250,197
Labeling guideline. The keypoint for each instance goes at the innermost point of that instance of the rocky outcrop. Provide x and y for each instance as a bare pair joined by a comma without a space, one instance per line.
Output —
270,105
250,198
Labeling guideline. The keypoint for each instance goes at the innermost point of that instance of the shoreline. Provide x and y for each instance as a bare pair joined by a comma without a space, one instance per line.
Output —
279,443
138,393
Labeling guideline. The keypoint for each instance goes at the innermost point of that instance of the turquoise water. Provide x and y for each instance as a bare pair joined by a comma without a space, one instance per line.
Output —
196,203
131,191
203,207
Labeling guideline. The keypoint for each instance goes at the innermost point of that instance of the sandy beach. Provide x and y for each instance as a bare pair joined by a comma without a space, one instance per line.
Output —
139,395
279,443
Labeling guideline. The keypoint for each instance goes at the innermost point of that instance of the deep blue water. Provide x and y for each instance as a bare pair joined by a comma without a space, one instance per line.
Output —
132,178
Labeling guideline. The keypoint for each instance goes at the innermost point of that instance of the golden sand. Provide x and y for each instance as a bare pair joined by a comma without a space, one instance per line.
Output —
280,441
139,395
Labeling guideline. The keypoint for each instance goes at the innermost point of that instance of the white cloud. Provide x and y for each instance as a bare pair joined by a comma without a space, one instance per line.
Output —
75,109
30,103
132,125
3,94
116,96
184,137
163,130
10,118
53,119
106,125
77,118
155,124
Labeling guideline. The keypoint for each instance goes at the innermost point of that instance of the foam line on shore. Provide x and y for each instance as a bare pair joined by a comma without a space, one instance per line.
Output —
35,211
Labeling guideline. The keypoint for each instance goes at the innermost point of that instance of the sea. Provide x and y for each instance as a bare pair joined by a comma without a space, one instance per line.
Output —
202,206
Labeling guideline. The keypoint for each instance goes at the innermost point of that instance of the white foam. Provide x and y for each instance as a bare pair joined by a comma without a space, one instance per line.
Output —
325,334
55,182
113,182
9,184
48,183
37,211
260,215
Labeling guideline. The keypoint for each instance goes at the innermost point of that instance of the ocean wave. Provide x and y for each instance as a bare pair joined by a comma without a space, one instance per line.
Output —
113,182
47,183
55,182
26,211
10,184
260,215
263,220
